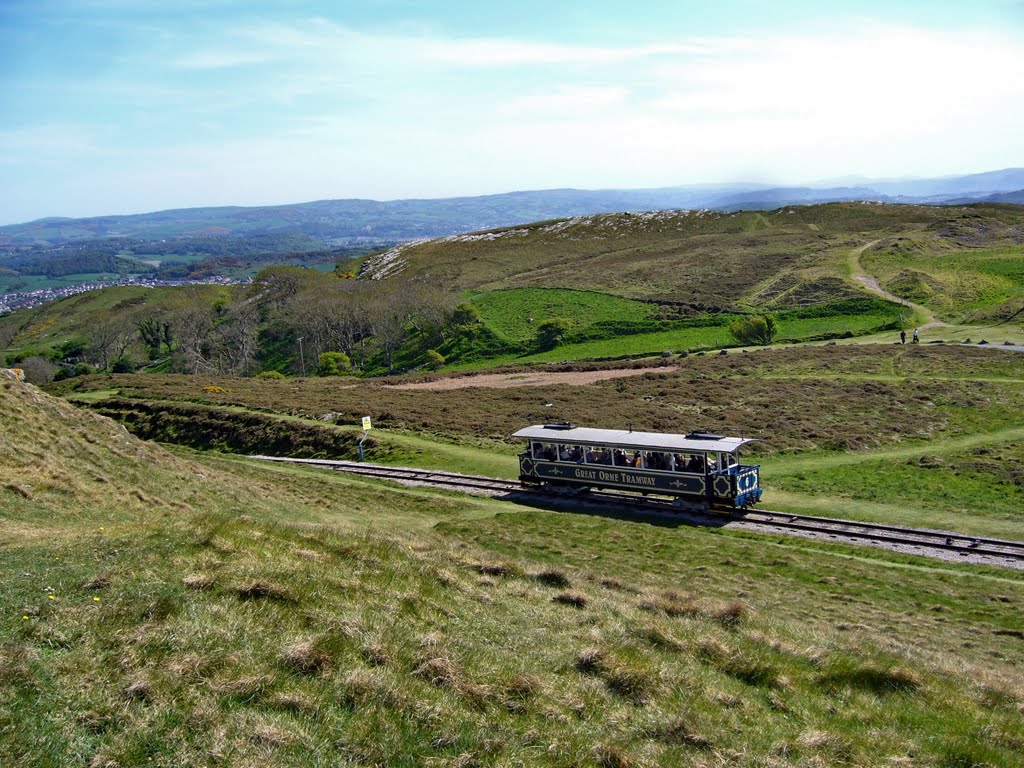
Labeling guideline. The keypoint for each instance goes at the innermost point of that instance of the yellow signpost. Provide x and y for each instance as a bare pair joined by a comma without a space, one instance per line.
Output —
366,428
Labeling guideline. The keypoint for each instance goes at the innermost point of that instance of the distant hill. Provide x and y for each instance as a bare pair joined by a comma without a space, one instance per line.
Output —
359,221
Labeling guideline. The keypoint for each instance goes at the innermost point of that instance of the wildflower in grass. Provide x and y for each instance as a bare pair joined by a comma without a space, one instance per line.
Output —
25,618
95,599
51,597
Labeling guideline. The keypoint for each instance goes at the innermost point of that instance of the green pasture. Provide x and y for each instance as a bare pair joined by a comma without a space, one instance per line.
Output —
695,339
514,314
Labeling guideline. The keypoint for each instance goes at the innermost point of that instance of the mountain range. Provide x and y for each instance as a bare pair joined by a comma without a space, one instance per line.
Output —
355,221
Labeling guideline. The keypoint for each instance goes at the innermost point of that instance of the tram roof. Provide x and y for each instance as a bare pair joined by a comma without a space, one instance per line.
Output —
555,433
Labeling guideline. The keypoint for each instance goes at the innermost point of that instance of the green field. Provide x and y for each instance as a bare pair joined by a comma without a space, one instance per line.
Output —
514,314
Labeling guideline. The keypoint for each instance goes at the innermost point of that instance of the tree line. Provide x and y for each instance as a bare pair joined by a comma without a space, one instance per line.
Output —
289,319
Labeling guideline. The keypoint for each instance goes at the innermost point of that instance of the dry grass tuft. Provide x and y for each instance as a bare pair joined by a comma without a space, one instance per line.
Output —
494,568
293,702
431,640
362,688
307,658
999,694
617,584
192,666
139,690
552,577
309,554
21,490
730,615
438,671
658,638
271,736
869,676
575,599
838,749
261,589
15,665
198,581
98,582
248,688
376,655
611,756
523,686
670,603
738,665
679,732
631,683
590,661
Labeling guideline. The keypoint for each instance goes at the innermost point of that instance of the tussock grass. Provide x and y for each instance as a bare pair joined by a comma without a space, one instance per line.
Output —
679,731
307,657
849,672
553,577
260,589
571,598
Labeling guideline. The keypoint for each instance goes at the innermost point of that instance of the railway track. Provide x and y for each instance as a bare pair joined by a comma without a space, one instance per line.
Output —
944,544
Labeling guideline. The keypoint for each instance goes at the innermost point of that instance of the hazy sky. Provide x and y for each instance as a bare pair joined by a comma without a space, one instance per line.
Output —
122,106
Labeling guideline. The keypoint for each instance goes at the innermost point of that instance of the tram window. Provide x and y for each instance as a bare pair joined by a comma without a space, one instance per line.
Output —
544,451
599,455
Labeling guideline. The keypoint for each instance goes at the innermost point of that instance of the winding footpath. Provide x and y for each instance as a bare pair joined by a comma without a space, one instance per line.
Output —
871,283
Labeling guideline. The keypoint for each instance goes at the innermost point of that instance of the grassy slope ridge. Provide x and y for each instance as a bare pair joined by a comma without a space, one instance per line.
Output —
171,610
792,256
641,284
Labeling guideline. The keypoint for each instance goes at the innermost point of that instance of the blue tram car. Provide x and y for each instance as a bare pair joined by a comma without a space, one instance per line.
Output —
700,469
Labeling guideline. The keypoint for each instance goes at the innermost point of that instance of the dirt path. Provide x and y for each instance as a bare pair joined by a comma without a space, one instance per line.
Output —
871,283
533,379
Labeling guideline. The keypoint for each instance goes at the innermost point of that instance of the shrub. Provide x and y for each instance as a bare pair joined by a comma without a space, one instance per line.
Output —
39,370
754,329
123,365
552,332
333,364
434,359
270,375
465,315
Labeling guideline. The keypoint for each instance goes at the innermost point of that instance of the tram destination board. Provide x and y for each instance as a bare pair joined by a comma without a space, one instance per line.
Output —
635,479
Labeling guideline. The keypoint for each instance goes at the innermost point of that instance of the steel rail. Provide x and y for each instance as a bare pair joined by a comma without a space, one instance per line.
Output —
851,531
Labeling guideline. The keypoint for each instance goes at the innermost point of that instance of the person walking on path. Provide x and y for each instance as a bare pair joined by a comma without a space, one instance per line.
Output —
903,336
916,339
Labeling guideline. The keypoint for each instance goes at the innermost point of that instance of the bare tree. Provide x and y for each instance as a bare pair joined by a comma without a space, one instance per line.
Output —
38,370
235,339
109,339
389,311
191,324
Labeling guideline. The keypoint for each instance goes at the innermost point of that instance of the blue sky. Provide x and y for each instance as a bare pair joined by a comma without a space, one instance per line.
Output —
122,106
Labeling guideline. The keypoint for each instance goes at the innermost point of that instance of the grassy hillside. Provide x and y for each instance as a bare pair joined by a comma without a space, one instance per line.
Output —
172,609
788,257
630,285
43,328
923,435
